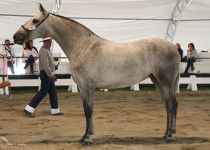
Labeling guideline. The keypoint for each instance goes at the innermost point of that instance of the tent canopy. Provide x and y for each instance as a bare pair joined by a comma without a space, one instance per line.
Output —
119,20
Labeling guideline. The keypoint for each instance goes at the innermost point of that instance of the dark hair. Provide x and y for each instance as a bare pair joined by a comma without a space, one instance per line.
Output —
191,44
7,41
28,46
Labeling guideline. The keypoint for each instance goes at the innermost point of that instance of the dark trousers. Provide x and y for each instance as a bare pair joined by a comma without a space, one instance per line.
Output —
11,66
190,63
30,61
47,86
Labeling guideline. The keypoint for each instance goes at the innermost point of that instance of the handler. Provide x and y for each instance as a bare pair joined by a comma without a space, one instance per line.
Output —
46,67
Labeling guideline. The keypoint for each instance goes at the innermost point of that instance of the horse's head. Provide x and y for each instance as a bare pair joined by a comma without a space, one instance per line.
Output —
33,28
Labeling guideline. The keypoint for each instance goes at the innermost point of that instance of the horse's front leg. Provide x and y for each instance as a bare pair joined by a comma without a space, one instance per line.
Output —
88,96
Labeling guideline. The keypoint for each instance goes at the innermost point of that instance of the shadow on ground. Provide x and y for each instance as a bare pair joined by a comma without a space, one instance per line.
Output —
127,141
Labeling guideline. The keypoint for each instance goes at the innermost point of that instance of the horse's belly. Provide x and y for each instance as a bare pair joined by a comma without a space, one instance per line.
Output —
120,80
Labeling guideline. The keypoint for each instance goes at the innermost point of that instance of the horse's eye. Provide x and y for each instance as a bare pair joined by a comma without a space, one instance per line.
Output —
35,21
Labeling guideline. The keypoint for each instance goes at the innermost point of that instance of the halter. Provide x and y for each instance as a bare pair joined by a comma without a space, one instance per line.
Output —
33,27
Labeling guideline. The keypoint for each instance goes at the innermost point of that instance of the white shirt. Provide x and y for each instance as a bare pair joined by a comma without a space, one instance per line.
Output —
27,53
46,62
192,53
8,52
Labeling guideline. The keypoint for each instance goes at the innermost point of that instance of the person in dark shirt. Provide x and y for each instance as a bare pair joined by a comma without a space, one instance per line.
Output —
178,47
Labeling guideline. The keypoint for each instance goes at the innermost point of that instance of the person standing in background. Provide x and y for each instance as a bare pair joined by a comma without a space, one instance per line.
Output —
9,54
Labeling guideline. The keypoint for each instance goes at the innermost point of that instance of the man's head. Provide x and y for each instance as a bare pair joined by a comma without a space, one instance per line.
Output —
7,42
47,42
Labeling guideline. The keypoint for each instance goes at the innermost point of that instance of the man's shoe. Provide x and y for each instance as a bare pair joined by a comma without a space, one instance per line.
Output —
29,114
58,114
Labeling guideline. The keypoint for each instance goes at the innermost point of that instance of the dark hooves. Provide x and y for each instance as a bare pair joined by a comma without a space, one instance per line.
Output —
169,140
86,142
164,137
81,140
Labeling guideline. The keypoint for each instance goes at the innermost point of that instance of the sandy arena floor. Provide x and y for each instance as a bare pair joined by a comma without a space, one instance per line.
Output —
123,121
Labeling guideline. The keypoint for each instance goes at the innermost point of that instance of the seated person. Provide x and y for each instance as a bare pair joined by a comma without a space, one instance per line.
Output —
29,55
191,56
31,43
179,49
4,84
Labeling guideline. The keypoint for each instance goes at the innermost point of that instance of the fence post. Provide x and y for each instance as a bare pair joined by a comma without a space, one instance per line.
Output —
73,85
136,87
5,72
1,89
193,83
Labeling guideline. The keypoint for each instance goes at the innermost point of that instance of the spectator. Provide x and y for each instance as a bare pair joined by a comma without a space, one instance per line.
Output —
9,54
29,55
191,56
179,49
31,43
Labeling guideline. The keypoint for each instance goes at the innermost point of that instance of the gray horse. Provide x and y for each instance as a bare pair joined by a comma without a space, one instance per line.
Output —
99,63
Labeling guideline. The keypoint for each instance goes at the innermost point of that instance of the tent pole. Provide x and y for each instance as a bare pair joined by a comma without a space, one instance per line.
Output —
176,15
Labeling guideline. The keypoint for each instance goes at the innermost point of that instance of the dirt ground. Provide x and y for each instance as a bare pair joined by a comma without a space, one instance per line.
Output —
124,120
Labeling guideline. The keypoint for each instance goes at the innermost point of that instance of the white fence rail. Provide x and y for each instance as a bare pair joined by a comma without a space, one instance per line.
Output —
192,81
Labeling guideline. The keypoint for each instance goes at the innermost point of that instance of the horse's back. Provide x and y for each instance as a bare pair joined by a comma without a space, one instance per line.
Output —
156,45
149,50
162,54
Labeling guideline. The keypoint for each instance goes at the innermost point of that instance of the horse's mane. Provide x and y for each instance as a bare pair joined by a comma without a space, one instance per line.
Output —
77,23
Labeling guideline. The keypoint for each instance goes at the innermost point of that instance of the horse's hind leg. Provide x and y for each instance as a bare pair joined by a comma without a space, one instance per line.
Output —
175,104
171,108
168,93
88,95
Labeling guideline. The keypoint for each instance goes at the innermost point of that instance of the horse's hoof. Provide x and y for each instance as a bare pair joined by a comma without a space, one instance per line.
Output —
164,136
81,140
87,142
169,140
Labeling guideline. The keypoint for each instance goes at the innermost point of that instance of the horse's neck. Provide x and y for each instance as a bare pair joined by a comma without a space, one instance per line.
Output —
69,35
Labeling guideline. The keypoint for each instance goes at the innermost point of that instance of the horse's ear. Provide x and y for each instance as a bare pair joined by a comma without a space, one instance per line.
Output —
41,8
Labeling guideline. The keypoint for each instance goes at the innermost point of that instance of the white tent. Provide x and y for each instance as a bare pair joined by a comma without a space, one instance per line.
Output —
182,21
